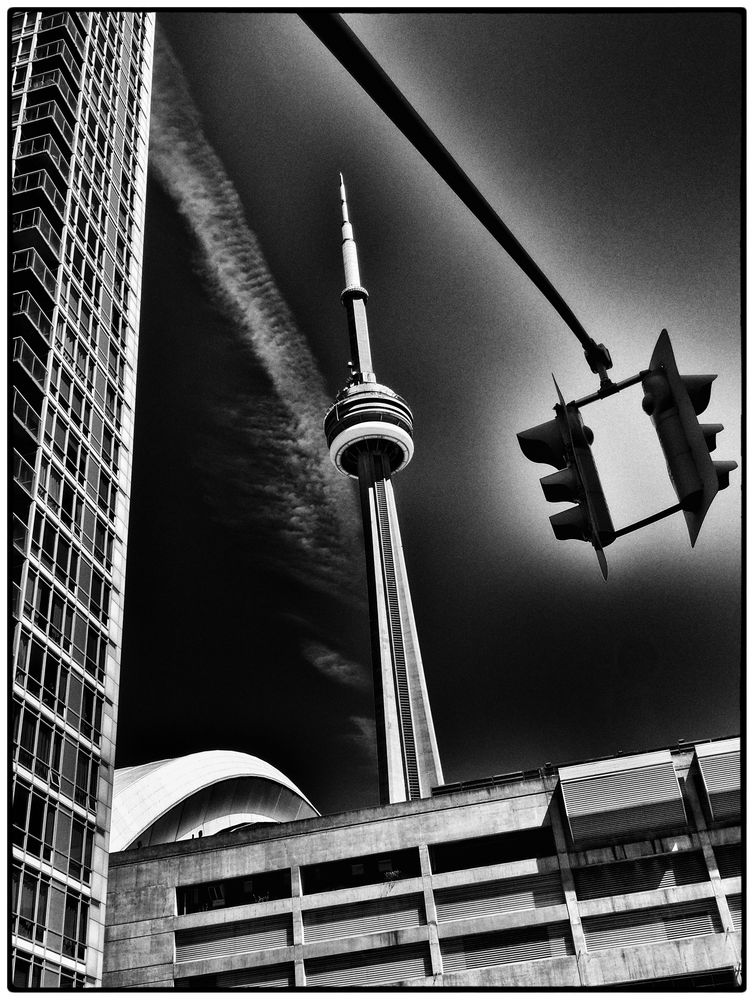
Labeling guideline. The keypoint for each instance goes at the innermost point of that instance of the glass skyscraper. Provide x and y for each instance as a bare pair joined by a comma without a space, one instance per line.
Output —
80,118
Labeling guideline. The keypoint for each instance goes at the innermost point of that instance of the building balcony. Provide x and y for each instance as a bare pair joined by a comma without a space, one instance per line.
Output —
57,55
23,473
61,25
41,152
46,86
26,312
20,534
27,359
35,189
26,415
32,229
16,601
38,119
31,271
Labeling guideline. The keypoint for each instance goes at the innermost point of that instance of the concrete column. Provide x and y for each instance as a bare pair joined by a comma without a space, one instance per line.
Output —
431,910
298,927
569,887
714,872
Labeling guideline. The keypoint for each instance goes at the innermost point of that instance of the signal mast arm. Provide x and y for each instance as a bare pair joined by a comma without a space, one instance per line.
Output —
333,32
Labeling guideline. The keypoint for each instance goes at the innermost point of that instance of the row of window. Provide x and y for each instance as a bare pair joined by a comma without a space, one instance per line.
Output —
648,873
119,211
52,832
63,624
258,888
31,973
79,305
100,215
93,225
48,912
81,354
73,453
110,350
41,748
52,548
79,516
89,421
103,58
57,684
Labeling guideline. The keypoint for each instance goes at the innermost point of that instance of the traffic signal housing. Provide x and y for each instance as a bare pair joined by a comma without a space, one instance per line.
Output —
673,402
565,443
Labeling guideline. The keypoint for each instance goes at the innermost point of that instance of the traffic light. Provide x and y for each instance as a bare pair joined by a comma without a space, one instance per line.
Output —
565,444
673,401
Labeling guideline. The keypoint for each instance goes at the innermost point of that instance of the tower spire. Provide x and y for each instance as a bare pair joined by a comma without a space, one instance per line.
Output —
350,258
369,431
354,298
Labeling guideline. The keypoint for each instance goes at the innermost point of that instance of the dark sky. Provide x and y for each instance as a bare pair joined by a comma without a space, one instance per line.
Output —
610,143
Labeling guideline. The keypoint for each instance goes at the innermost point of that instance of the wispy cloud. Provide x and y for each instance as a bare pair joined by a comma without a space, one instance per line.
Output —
294,493
334,665
362,735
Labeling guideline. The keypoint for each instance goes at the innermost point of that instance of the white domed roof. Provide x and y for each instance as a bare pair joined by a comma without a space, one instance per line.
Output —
199,795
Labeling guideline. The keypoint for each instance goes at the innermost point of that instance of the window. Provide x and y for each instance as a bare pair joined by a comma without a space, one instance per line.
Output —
500,848
366,870
256,888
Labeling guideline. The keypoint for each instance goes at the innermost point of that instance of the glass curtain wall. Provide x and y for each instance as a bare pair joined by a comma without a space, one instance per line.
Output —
80,104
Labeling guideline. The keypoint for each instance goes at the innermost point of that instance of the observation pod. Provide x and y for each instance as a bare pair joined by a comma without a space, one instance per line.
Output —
369,418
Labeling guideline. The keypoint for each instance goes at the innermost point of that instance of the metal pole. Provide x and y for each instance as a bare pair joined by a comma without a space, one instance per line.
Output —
609,390
333,32
649,520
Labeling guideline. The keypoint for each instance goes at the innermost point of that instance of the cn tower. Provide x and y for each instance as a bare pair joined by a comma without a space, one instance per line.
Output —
369,431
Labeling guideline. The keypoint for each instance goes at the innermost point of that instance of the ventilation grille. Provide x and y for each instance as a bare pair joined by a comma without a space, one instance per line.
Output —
399,654
721,774
728,857
734,905
265,977
369,968
667,923
218,941
640,875
501,948
501,896
621,798
363,918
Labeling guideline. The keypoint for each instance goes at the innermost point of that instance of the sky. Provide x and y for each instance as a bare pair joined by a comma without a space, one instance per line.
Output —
610,144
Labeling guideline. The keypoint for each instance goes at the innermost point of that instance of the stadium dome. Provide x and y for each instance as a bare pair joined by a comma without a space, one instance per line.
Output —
200,795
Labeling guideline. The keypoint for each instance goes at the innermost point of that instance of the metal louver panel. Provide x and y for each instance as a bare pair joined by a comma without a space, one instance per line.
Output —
666,923
369,968
734,905
500,896
728,857
720,766
622,797
220,940
363,918
504,947
660,871
262,977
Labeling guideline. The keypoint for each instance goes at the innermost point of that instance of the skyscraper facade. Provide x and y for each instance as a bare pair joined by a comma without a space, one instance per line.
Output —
80,117
369,431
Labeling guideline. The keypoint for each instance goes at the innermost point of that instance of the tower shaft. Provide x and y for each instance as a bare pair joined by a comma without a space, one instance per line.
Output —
408,759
